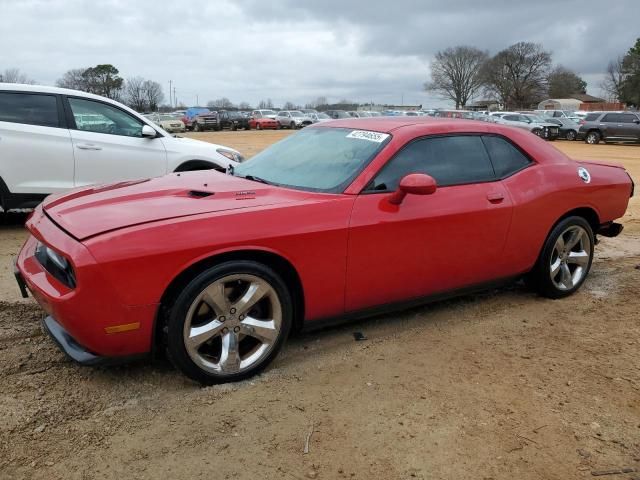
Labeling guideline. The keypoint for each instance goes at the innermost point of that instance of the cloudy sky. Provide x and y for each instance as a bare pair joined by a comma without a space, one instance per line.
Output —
297,50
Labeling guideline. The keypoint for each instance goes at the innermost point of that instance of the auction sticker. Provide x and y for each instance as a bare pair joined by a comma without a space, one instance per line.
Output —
367,135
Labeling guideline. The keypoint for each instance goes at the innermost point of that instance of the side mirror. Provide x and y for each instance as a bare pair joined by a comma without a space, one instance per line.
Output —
148,132
415,184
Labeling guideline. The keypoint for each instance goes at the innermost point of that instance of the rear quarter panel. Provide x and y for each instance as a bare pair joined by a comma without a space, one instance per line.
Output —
544,193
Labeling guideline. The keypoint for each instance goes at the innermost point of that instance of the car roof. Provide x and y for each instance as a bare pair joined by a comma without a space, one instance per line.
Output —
389,124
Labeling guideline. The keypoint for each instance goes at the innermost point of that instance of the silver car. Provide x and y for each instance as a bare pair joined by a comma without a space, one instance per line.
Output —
291,119
537,125
318,117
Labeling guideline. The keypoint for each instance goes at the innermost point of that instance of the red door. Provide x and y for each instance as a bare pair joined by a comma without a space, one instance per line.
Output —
428,244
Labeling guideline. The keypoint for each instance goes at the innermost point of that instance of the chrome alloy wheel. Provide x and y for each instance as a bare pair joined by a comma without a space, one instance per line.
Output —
570,258
232,324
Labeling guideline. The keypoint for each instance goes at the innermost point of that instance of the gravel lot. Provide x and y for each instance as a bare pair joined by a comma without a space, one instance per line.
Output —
501,385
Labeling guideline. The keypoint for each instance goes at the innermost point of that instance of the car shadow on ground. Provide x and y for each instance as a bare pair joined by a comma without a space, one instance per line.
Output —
304,347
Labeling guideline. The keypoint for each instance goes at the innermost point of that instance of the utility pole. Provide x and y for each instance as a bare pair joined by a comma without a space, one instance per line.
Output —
175,100
170,102
197,101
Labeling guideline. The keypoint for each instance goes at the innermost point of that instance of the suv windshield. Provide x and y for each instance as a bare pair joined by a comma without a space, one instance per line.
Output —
315,159
296,114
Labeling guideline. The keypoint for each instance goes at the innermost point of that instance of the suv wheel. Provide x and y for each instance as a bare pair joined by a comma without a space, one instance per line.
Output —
593,137
571,135
292,126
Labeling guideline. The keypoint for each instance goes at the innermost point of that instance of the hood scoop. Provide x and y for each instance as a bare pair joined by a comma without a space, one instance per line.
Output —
200,194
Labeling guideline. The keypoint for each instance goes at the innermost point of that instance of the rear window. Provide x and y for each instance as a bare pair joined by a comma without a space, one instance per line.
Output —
29,108
506,158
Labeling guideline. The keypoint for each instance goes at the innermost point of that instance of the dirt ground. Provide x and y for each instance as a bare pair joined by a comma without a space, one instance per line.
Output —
501,385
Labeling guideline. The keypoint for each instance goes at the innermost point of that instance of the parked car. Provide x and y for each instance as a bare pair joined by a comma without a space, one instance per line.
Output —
263,123
232,120
204,121
533,123
554,113
170,123
318,117
217,269
292,119
264,114
54,139
307,111
610,127
335,114
190,115
568,128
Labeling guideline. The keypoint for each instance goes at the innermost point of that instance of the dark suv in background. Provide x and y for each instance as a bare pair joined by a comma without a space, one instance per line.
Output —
610,127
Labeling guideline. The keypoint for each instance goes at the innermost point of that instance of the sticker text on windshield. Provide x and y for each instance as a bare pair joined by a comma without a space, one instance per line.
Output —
370,136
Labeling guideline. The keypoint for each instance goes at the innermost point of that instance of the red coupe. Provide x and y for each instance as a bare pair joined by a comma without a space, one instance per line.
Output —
263,123
343,219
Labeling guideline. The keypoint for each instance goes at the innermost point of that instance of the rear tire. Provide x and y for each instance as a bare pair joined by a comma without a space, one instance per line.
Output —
593,137
229,322
565,260
571,135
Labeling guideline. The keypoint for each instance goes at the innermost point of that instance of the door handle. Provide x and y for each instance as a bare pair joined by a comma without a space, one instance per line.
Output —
88,146
495,197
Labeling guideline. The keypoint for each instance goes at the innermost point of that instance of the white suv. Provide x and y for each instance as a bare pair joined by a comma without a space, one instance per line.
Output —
54,139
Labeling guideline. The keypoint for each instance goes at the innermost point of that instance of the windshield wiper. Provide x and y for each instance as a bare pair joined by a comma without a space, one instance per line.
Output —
257,179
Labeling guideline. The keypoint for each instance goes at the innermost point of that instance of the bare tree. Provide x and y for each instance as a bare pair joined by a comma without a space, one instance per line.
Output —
518,75
456,73
153,94
223,102
268,103
289,106
73,79
14,75
134,93
244,106
614,79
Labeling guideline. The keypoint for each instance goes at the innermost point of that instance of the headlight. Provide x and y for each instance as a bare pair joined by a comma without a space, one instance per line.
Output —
57,265
231,155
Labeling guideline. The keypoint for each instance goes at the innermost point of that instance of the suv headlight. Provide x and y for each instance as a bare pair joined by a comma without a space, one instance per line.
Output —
231,155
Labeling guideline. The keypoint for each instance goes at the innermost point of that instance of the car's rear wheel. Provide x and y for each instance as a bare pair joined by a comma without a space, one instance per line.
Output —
571,135
593,137
229,322
258,126
565,260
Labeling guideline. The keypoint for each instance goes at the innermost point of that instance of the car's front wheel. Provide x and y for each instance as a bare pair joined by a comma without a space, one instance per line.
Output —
571,135
565,260
593,137
229,322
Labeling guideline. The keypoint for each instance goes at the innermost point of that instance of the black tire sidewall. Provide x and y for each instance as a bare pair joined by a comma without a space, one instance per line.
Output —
175,342
540,275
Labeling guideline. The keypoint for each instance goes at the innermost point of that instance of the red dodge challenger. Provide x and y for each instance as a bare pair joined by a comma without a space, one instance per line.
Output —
343,219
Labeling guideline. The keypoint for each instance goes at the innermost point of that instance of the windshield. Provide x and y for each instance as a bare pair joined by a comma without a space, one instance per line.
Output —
267,112
316,159
324,116
296,114
537,119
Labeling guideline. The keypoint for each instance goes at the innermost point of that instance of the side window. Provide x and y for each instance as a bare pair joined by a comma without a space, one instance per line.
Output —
29,108
449,160
627,118
591,117
610,117
506,158
510,118
99,117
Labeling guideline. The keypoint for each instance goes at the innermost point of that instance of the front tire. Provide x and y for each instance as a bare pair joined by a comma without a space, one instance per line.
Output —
196,128
565,260
571,135
229,322
593,137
